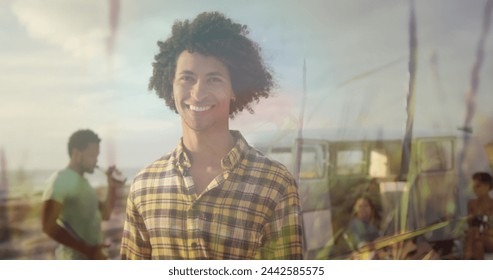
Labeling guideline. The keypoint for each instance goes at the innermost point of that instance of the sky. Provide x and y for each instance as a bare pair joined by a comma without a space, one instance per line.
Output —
56,75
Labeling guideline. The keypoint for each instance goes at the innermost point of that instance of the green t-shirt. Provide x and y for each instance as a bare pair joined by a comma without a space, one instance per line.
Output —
80,213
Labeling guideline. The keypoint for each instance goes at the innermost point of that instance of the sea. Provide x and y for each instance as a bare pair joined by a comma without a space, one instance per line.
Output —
27,183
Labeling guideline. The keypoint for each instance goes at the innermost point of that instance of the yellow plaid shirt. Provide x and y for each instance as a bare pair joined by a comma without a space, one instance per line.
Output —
250,211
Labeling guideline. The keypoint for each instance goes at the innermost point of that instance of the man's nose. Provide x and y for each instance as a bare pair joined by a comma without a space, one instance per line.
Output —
199,91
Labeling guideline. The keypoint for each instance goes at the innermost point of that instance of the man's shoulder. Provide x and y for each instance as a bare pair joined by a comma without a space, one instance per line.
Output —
65,177
60,184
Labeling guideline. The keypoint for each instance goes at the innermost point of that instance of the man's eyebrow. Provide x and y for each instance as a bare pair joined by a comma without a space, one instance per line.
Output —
210,74
187,72
216,73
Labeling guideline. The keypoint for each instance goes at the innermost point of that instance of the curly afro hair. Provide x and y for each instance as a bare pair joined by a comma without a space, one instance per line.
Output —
212,34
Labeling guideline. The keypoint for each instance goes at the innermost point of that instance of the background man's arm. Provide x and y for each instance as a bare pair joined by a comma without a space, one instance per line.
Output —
50,213
106,207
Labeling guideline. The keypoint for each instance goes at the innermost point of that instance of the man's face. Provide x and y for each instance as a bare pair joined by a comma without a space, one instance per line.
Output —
202,92
481,189
87,159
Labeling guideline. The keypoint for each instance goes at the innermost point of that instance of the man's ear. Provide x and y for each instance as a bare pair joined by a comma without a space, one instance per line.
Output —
75,154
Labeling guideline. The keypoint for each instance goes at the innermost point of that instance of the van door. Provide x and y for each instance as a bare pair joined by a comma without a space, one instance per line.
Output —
433,189
314,195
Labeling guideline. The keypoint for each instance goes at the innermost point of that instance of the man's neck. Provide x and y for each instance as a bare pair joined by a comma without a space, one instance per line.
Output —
210,145
75,167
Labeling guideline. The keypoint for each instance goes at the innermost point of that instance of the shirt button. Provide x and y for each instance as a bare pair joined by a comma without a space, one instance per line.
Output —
194,245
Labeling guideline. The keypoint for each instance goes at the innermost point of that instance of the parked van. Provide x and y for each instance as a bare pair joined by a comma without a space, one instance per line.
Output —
337,167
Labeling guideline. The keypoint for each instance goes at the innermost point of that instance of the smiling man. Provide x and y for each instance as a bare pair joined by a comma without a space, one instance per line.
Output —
214,196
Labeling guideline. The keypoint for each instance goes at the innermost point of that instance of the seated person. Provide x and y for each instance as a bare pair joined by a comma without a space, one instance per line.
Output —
479,236
362,228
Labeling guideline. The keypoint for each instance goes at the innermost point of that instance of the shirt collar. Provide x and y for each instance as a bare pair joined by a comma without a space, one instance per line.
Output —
229,162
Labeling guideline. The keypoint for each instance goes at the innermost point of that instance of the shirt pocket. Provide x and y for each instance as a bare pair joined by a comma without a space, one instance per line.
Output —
231,234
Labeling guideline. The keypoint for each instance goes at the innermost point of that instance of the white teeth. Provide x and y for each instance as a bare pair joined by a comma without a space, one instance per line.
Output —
199,109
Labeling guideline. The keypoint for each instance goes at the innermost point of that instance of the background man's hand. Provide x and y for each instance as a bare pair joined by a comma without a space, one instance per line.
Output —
96,252
115,181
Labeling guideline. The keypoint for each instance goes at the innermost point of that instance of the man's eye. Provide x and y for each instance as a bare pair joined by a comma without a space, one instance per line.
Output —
215,79
187,78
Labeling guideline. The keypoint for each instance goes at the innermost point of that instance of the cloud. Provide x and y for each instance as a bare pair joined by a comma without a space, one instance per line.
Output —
79,27
53,71
277,111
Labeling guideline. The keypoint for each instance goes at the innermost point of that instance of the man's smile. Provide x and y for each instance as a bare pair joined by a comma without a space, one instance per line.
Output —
199,108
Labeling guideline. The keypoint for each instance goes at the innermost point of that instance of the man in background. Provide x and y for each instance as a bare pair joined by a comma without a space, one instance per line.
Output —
72,213
479,236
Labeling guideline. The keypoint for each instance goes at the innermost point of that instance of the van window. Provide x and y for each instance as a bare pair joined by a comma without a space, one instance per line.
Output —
350,162
283,155
436,155
379,164
312,162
